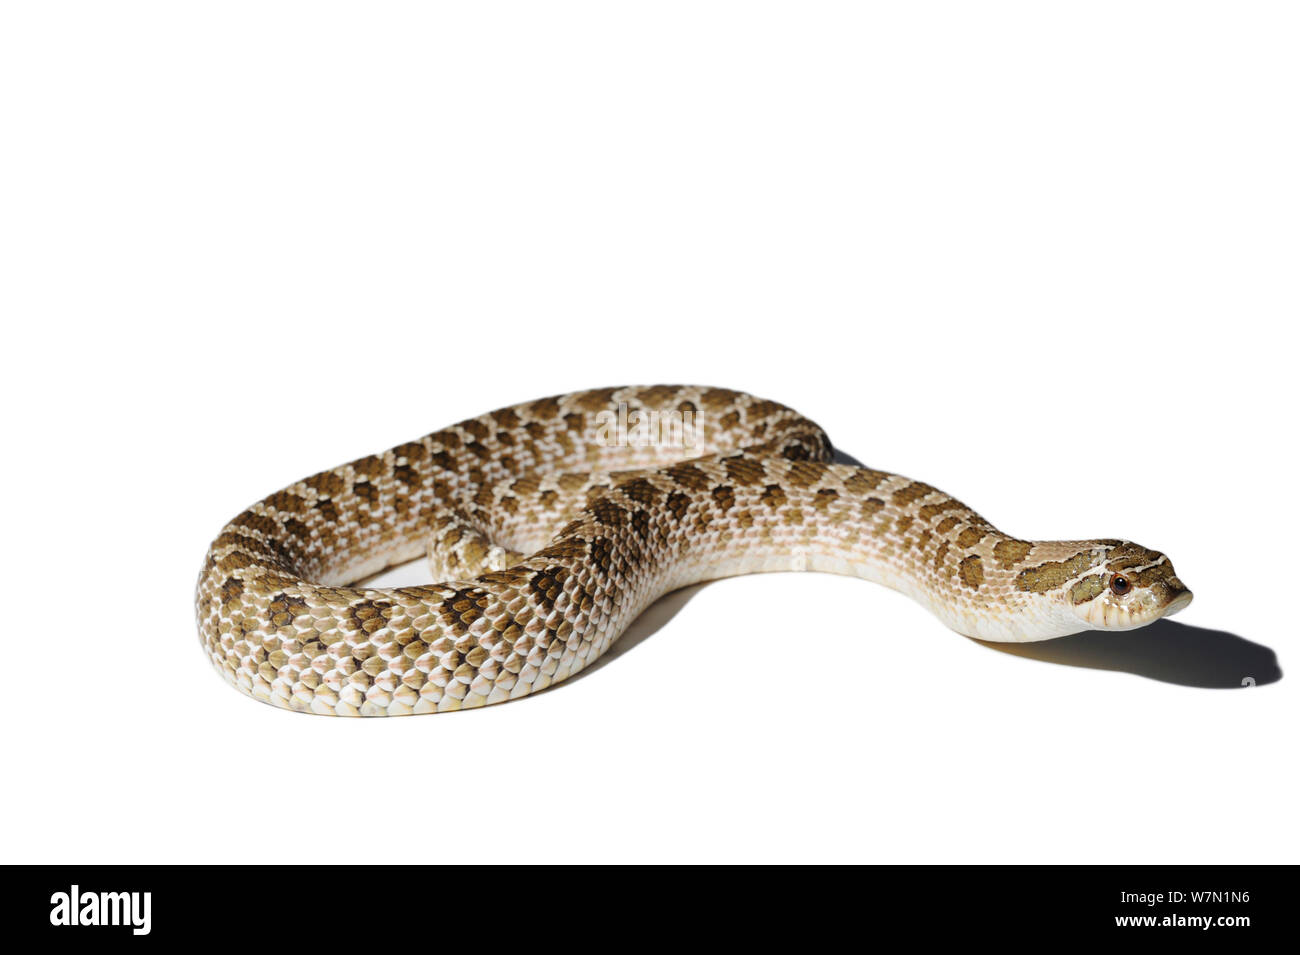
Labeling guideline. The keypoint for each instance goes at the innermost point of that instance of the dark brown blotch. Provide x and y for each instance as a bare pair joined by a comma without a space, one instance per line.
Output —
608,513
743,470
642,491
824,498
865,480
929,512
806,473
715,399
544,409
1009,552
368,615
413,452
476,429
330,483
284,609
773,496
913,493
506,418
1054,573
678,504
547,585
598,399
688,476
285,502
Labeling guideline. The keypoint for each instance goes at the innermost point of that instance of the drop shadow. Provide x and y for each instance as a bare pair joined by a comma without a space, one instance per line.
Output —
653,619
1166,651
843,457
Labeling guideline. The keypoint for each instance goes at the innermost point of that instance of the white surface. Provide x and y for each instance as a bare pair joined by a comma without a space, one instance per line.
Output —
1044,259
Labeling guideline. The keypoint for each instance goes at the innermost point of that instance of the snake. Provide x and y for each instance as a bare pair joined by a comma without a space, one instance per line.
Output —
549,526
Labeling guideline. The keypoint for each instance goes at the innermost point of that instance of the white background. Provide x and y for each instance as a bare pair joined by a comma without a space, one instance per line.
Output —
1041,255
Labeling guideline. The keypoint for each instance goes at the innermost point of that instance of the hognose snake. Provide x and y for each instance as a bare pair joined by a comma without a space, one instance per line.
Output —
552,524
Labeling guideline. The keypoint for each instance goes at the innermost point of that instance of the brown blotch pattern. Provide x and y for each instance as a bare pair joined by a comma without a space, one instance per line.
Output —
1054,574
871,506
806,473
929,512
1009,552
657,396
284,609
940,556
600,399
715,399
744,471
642,492
971,570
947,524
546,586
462,608
912,493
678,504
824,498
368,615
689,476
864,480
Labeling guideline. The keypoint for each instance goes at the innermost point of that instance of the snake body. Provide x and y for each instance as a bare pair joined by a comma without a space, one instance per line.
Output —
551,525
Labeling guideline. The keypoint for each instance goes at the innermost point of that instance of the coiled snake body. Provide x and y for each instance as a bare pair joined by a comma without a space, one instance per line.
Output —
551,525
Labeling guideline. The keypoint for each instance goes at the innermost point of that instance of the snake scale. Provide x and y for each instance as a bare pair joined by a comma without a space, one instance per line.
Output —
551,525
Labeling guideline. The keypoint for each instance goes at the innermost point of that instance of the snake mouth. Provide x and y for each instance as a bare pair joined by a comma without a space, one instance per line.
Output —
1161,601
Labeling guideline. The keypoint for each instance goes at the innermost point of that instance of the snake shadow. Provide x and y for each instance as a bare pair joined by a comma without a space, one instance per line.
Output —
1167,651
653,619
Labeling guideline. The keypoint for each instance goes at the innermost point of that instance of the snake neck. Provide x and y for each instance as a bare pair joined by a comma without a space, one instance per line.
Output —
744,513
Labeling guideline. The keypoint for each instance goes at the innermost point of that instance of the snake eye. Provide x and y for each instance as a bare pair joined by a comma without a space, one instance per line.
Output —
1120,585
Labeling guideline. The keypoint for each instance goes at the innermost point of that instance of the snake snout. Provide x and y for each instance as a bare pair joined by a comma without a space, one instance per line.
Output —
1176,598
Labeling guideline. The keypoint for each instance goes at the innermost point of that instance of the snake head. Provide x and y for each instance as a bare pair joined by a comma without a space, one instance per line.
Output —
1128,586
